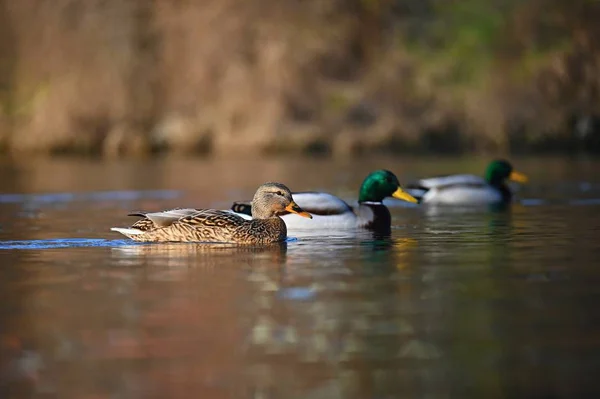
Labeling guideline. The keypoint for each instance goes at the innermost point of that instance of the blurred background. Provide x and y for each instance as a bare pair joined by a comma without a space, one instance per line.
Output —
117,77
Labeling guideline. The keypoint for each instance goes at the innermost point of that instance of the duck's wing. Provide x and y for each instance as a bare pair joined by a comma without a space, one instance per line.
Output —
450,180
211,218
316,203
164,218
152,220
191,216
319,203
190,225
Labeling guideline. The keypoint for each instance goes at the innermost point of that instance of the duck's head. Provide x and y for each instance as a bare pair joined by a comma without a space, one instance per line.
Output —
381,184
273,199
500,170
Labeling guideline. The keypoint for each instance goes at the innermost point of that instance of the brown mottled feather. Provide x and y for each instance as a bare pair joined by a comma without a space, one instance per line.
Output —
143,224
208,225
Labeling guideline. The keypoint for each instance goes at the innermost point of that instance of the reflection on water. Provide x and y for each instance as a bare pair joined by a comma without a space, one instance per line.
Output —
477,303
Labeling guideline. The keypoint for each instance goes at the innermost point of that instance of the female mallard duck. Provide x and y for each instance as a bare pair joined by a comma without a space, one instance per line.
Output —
468,189
209,225
330,211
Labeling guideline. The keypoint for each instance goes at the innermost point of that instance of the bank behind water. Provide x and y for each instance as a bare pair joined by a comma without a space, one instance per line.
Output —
223,76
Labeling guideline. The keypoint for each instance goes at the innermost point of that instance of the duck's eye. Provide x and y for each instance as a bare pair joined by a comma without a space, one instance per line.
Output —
279,193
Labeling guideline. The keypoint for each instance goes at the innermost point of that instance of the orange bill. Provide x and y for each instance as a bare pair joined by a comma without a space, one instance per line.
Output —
518,177
403,195
294,208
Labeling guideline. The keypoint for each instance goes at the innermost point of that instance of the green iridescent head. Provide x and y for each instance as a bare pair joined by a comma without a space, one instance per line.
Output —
499,170
381,184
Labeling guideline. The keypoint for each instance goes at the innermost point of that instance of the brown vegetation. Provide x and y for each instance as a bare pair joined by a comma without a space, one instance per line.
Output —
119,77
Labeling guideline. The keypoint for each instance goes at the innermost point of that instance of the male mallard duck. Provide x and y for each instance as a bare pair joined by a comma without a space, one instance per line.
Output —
209,225
468,189
330,211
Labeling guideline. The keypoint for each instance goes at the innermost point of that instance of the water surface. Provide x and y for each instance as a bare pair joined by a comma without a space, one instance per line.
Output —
458,304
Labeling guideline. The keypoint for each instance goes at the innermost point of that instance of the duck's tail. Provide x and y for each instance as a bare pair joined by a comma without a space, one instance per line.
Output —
242,207
128,232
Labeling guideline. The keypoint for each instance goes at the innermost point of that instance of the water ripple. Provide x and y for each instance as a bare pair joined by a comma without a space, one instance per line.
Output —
63,243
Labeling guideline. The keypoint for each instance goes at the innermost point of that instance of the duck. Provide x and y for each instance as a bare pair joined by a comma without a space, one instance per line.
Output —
465,189
332,212
218,226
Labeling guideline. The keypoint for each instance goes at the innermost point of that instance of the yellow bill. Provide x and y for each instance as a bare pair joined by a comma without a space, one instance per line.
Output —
403,195
518,177
294,208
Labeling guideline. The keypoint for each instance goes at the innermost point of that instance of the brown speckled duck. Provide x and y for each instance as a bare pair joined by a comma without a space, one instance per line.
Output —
210,225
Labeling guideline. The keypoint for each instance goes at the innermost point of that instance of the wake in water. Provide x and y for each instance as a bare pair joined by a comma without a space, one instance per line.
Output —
81,243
